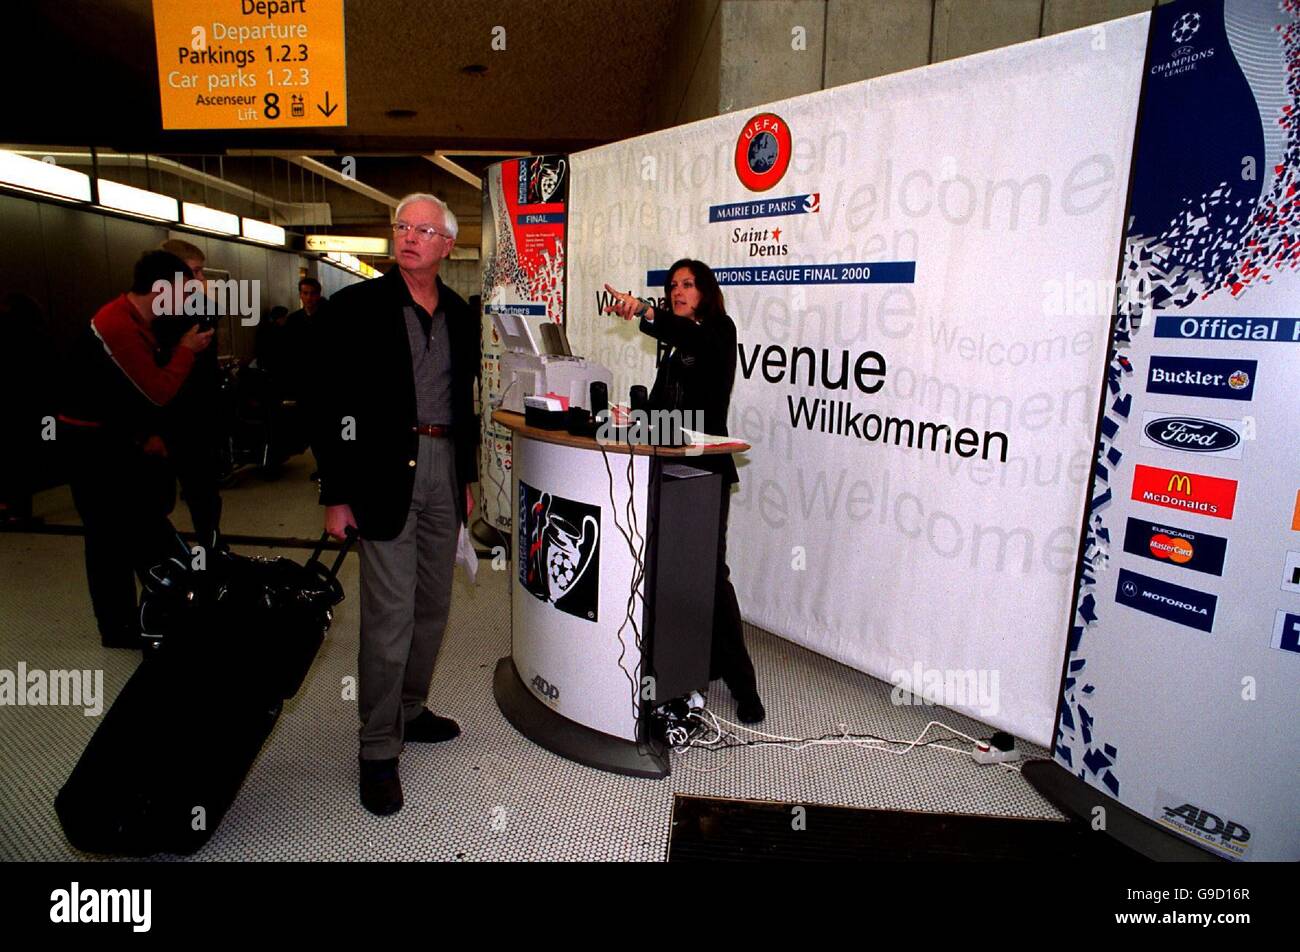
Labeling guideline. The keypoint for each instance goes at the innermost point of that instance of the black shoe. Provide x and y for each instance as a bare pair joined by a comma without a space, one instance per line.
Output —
381,788
749,710
428,728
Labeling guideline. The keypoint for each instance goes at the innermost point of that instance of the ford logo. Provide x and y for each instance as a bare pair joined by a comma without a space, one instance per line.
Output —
1192,435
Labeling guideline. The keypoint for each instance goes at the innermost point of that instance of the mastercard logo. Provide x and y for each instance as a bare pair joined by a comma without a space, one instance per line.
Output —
1175,550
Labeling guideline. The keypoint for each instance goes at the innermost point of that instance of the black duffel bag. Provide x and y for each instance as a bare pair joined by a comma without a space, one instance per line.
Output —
258,621
226,645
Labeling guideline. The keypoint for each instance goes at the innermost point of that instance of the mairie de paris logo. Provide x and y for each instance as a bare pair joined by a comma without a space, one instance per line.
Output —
763,152
1185,28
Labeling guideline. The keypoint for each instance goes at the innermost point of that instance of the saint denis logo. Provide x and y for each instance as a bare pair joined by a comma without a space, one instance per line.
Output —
1202,377
1225,837
1190,492
763,152
559,551
1183,606
1286,631
1190,434
1198,551
76,905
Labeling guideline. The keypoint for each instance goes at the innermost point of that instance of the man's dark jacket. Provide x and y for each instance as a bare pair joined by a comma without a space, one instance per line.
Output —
363,383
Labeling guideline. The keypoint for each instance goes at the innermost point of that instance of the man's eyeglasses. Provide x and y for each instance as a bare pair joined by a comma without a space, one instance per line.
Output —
423,232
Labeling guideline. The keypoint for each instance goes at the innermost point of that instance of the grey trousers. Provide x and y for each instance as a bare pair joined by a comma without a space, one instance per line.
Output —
405,599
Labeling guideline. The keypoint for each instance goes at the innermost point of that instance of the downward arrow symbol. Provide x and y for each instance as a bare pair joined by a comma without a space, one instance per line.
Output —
327,109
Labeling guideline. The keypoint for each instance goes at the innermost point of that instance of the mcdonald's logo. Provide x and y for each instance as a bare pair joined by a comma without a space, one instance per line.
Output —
1188,492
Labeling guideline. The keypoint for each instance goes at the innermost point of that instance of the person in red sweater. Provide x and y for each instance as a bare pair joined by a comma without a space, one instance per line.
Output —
122,485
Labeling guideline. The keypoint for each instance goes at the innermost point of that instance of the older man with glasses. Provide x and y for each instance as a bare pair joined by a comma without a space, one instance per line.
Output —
396,440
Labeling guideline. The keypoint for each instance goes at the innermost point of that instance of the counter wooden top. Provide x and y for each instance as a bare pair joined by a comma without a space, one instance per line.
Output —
515,423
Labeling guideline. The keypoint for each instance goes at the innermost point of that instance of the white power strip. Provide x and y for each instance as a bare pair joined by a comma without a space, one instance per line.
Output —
988,754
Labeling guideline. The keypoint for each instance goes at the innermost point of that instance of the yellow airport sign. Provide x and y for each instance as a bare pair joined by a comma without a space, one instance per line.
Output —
251,64
354,244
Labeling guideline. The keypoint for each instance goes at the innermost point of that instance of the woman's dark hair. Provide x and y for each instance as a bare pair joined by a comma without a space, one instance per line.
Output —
710,294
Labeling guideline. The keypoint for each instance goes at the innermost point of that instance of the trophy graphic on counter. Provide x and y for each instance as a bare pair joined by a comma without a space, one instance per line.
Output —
560,548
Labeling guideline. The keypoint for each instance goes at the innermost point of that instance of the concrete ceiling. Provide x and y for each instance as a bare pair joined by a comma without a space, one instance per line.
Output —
573,74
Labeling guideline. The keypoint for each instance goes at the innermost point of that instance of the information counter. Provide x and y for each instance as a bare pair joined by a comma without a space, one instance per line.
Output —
611,593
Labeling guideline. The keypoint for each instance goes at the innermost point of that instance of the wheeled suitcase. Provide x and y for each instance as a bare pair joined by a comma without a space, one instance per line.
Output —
226,644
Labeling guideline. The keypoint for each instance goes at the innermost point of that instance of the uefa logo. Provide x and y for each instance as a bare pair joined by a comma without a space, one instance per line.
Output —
763,152
1185,28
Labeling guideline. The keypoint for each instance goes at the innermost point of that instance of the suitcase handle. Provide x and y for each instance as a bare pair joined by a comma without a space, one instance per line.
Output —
350,536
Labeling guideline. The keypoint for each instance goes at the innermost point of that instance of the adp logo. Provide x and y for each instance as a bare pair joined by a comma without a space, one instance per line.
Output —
763,152
1222,836
1189,492
545,688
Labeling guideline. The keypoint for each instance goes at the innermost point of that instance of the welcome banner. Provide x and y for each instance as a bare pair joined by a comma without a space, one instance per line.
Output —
921,270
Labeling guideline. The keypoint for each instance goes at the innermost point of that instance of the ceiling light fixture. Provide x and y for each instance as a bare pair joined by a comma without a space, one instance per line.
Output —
209,219
263,231
44,177
138,201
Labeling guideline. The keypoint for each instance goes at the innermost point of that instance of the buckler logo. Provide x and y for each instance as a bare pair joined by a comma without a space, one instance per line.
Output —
1189,492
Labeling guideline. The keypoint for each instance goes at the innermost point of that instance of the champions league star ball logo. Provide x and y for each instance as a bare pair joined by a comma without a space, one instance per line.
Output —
763,152
1186,27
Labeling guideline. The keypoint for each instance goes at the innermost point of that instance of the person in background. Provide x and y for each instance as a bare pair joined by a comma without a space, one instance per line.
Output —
28,367
696,374
192,425
269,380
303,330
303,351
119,383
399,360
271,345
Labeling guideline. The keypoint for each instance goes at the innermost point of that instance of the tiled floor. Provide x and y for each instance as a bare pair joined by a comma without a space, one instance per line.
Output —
490,794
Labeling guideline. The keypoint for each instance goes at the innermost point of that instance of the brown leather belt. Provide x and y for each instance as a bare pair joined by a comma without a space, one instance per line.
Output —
432,429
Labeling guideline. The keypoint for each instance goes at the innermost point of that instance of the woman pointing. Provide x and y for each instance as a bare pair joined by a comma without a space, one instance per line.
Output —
696,374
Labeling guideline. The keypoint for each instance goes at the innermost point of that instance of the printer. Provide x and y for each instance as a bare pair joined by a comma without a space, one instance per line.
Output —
536,360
